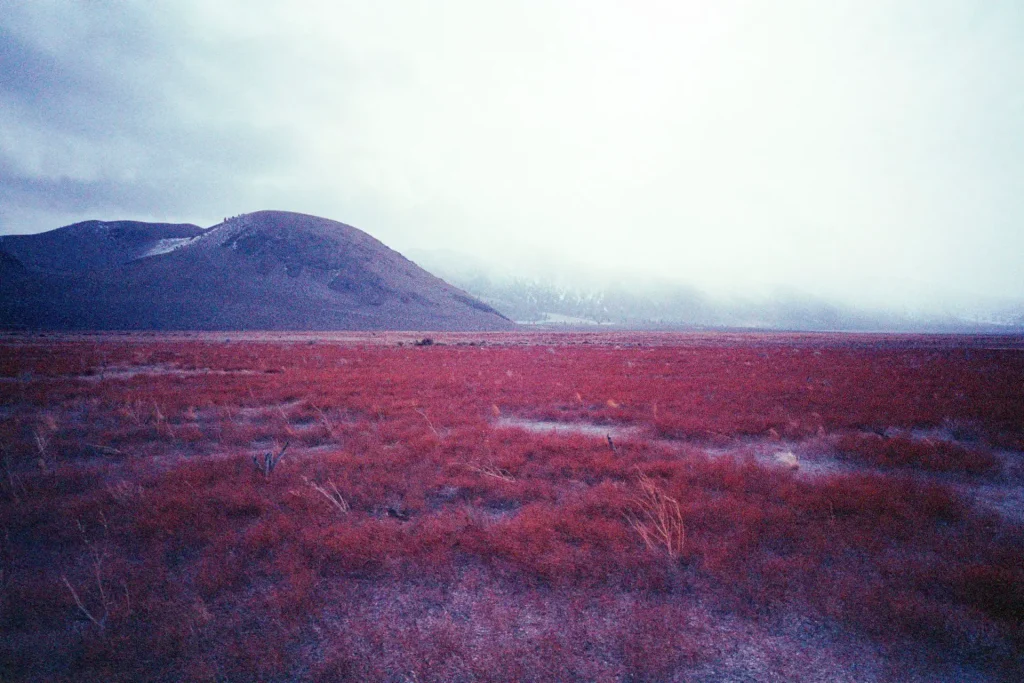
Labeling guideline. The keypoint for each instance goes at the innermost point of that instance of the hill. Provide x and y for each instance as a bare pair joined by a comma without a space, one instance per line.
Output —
271,270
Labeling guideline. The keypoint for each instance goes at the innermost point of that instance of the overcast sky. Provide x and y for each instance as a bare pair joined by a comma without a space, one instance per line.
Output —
870,151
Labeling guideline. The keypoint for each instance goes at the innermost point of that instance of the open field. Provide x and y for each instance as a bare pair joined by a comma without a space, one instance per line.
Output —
615,507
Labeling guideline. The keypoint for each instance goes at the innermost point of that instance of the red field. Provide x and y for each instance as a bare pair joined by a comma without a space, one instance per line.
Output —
511,507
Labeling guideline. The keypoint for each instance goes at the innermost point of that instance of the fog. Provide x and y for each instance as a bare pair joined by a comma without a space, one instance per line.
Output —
869,153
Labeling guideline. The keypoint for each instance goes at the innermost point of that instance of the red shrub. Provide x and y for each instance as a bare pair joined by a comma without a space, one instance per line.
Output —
926,454
458,533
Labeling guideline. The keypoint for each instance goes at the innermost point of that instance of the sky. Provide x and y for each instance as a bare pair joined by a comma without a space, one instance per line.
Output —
869,151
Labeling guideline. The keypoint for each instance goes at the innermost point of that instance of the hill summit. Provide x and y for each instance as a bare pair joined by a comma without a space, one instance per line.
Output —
268,270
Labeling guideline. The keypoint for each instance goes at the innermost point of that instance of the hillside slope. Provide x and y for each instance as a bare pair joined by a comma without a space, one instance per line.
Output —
270,270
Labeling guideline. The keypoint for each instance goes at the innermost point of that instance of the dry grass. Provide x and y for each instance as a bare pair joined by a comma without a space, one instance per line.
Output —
657,518
329,490
97,556
269,460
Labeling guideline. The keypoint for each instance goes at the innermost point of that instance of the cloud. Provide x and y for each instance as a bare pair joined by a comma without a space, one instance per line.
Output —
105,111
855,150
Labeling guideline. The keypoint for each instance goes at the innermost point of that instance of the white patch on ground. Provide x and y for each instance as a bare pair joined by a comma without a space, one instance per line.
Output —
1002,493
1007,500
165,246
553,427
787,459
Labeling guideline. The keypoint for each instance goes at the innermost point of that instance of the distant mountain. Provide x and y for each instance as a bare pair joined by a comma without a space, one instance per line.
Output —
269,270
565,297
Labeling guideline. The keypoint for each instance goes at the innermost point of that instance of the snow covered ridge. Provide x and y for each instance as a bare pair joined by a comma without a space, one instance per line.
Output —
165,246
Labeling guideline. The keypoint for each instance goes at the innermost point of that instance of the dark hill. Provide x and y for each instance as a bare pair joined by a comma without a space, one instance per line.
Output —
269,270
10,266
93,245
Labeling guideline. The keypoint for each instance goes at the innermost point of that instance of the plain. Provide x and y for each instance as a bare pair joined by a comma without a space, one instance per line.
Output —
511,507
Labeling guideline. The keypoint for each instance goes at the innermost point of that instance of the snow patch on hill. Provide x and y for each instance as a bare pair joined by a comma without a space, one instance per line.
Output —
166,246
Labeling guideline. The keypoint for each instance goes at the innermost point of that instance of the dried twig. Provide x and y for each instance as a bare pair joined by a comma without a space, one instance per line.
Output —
106,450
100,623
491,471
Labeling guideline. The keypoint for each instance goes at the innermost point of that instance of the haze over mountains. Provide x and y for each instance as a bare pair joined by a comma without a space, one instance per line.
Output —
269,270
559,294
275,270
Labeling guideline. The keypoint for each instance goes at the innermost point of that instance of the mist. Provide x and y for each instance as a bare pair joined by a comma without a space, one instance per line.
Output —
867,154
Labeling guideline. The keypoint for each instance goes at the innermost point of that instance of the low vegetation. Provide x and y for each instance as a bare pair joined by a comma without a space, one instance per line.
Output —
392,529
